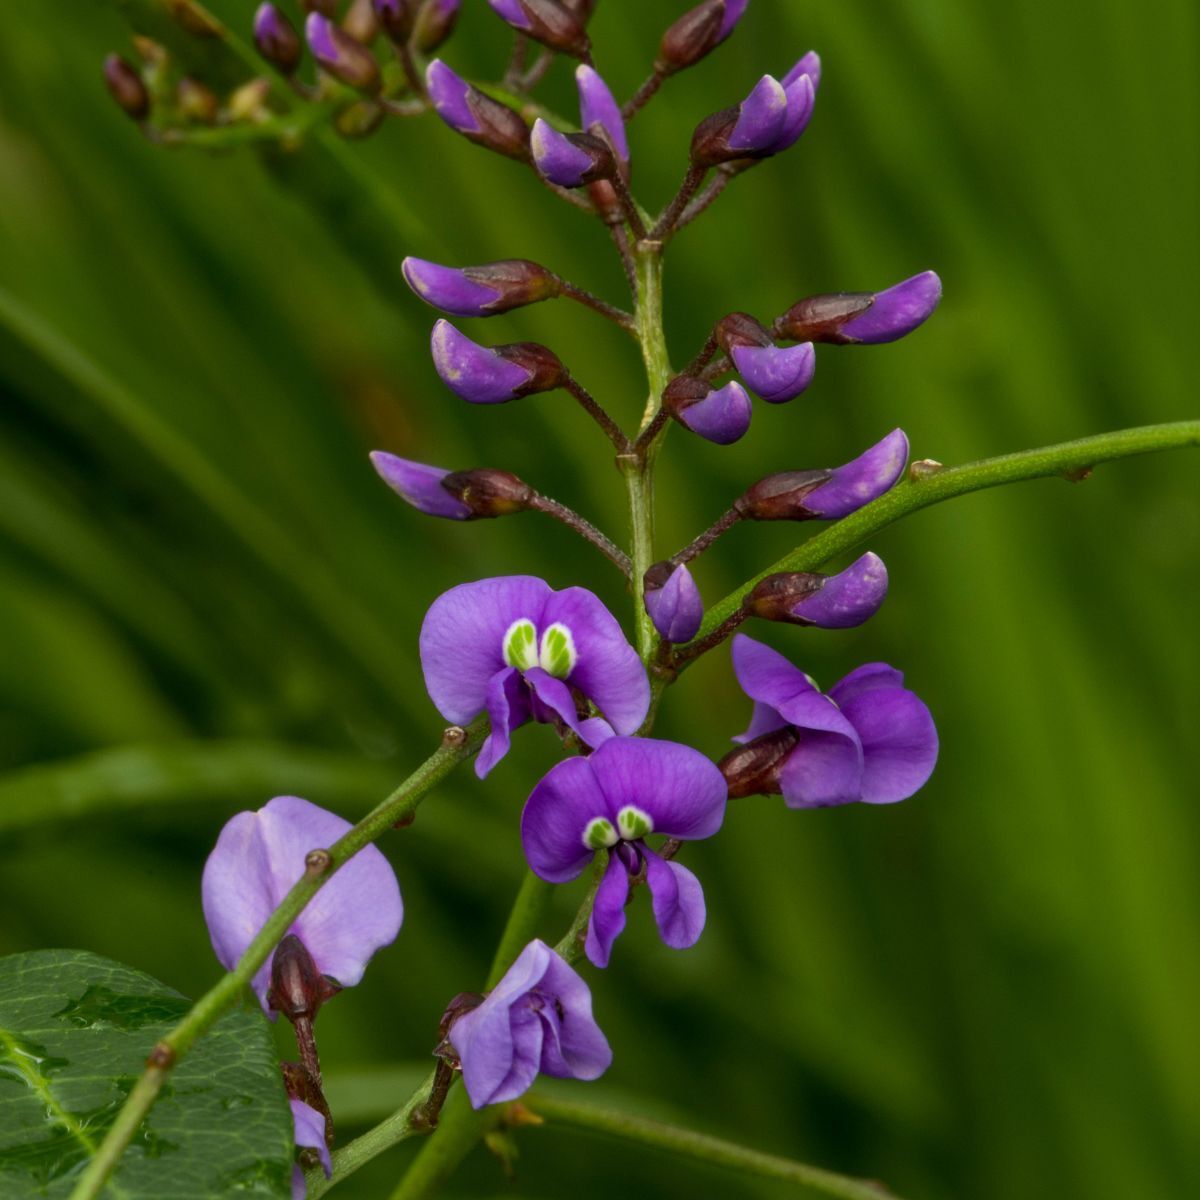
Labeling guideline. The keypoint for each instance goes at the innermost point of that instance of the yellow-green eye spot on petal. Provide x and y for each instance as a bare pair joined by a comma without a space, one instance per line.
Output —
634,823
599,834
520,645
557,655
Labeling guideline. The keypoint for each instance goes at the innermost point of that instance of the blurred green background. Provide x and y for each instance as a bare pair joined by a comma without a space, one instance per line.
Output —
208,598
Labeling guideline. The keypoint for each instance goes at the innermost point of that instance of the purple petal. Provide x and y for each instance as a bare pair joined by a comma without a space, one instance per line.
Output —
801,99
682,791
557,157
865,679
809,65
608,913
761,116
318,32
582,1045
608,670
899,740
507,708
556,696
448,288
472,371
310,1132
512,12
764,719
597,106
678,901
848,598
824,769
462,639
556,816
723,416
419,484
776,374
897,311
733,14
864,479
449,93
676,608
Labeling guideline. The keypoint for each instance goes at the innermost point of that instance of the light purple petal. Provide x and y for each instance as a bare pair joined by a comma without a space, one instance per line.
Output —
507,708
733,14
299,1187
678,901
310,1132
848,598
597,106
723,416
809,65
681,790
557,157
897,311
761,116
608,913
472,371
557,814
448,288
862,480
449,93
899,739
419,484
238,892
462,639
801,99
556,696
512,12
676,608
776,373
608,670
824,769
318,32
582,1045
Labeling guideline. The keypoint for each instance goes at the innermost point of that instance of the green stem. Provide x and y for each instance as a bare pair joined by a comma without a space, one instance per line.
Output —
1065,459
714,1151
457,746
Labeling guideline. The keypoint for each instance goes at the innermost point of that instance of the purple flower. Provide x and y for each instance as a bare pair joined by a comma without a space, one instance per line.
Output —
869,739
340,54
521,651
698,32
420,485
547,21
537,1018
720,415
276,38
482,291
749,130
570,160
801,97
260,855
626,790
776,374
673,601
309,1134
897,311
809,65
492,375
842,601
598,108
476,116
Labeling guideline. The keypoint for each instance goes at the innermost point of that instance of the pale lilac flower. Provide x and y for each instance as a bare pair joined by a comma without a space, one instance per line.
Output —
309,1134
482,291
599,110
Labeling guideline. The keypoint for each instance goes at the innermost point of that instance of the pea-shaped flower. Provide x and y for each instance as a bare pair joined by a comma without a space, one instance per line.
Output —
613,800
538,1018
517,649
260,855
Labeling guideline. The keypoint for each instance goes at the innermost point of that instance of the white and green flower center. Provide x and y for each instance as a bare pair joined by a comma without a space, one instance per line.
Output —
634,823
600,834
556,653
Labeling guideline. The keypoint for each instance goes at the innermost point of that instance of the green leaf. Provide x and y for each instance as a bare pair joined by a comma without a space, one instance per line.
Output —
75,1030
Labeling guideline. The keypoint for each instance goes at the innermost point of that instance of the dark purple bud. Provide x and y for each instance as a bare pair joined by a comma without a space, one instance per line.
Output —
398,18
697,33
801,97
277,39
481,291
599,112
848,318
341,55
673,601
488,492
297,988
754,769
721,415
809,65
476,116
362,22
548,22
493,375
435,23
747,131
126,87
840,601
570,160
776,374
419,484
196,101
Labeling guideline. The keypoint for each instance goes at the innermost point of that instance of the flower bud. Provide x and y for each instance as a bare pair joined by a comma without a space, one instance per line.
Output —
801,98
196,101
570,160
848,318
548,22
697,33
599,112
476,116
276,38
776,373
673,601
341,55
749,130
721,415
493,375
481,291
488,492
249,102
435,23
809,65
420,485
398,18
362,22
741,329
126,87
297,988
840,601
754,769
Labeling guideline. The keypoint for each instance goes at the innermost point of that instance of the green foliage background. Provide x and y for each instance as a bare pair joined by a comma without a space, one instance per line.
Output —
208,598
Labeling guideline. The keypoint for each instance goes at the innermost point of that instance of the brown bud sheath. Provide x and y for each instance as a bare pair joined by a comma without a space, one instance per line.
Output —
276,39
821,318
690,38
126,87
488,492
781,497
518,282
547,370
297,988
777,595
554,25
741,329
683,391
398,18
435,23
362,22
754,769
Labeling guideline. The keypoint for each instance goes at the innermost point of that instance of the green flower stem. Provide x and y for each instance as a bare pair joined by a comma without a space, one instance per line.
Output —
522,925
204,1013
714,1151
1068,459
